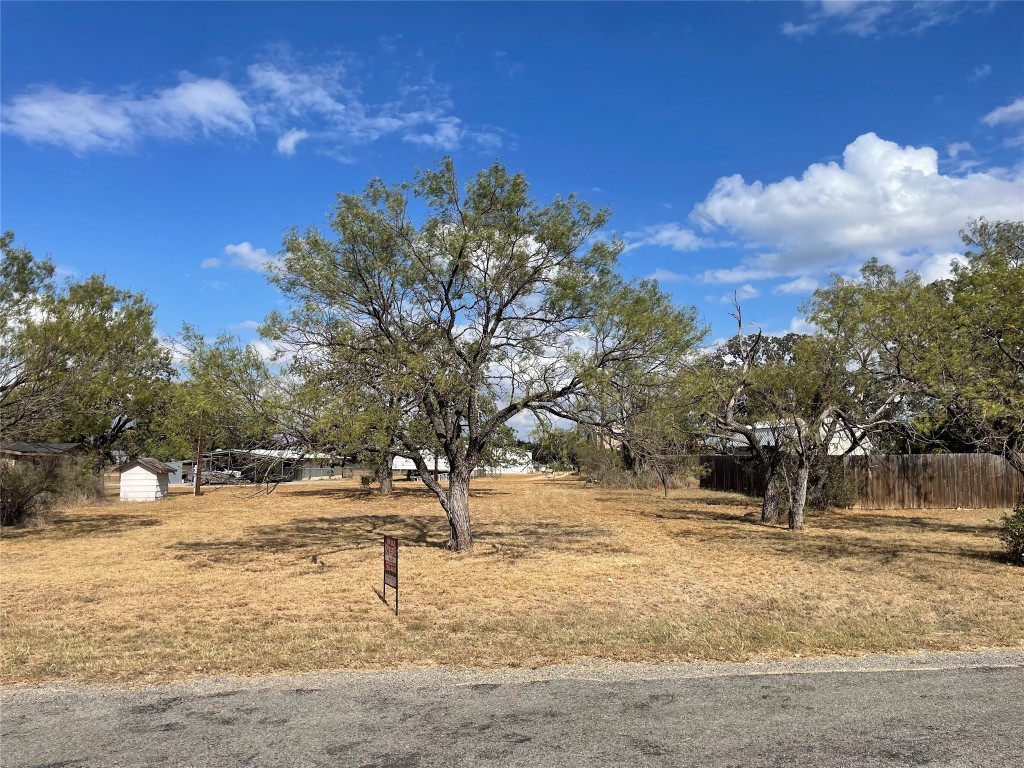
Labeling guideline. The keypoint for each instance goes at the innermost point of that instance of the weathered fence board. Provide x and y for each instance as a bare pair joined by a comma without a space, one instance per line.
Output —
913,481
930,481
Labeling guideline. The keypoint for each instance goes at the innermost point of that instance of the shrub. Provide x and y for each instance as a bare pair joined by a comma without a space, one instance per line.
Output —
1012,534
27,489
831,485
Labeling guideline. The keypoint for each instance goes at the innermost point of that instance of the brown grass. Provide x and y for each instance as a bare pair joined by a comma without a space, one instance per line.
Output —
225,584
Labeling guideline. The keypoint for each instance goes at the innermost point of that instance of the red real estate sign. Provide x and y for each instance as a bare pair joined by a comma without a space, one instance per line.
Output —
391,568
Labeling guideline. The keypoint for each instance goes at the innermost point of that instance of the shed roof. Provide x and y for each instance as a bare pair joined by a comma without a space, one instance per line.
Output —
39,449
153,465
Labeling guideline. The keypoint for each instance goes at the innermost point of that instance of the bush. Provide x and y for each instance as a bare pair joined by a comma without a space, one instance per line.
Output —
831,485
1012,534
27,489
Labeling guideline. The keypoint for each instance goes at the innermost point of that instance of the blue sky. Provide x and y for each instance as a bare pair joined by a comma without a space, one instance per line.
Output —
742,147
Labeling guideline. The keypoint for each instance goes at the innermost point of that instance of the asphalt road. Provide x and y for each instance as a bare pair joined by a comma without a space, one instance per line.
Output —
935,710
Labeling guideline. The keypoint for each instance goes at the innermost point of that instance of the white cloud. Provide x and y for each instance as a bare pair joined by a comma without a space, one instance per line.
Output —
743,293
799,325
938,266
737,274
1011,113
954,149
245,255
671,236
868,18
281,95
84,121
667,276
802,285
883,201
789,29
980,73
245,325
288,142
446,135
211,263
272,353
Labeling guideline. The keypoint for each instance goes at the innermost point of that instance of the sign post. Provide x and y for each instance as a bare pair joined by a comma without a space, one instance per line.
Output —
391,568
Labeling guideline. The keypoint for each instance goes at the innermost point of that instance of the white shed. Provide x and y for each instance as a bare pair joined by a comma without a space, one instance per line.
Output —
144,480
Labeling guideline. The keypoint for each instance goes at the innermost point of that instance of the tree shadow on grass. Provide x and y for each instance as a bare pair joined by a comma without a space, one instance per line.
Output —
851,535
848,537
517,544
71,526
318,536
324,536
421,493
851,520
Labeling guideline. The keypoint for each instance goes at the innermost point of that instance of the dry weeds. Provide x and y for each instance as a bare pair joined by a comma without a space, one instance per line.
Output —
226,584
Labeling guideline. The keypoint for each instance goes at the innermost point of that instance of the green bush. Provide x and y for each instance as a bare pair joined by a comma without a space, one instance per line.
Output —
1012,534
831,485
27,489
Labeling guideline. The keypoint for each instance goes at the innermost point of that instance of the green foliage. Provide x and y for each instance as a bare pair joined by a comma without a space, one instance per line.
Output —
227,394
434,334
25,489
942,363
28,490
831,486
1012,534
560,450
77,362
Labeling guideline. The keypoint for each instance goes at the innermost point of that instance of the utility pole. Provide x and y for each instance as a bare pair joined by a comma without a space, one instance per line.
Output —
198,475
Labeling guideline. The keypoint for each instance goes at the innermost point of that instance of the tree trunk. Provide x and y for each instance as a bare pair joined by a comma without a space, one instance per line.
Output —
457,510
387,481
796,508
664,482
771,506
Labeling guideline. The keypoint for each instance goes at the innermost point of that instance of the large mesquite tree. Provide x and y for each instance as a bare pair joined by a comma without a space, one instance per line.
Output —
939,363
491,305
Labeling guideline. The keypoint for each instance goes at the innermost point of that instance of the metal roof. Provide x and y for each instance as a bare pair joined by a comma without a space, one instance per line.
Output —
39,449
153,465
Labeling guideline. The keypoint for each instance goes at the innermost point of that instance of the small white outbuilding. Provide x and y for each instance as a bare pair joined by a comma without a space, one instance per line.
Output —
144,480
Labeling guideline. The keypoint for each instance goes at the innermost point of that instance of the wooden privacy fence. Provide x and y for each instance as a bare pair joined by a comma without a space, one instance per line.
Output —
929,481
912,481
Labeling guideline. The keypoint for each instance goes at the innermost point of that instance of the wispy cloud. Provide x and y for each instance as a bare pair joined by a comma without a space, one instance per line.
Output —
744,293
282,96
667,276
870,18
980,73
671,236
1007,115
288,142
243,255
801,285
84,121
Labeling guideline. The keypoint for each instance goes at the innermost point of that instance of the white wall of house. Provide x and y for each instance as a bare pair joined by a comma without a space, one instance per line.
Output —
140,484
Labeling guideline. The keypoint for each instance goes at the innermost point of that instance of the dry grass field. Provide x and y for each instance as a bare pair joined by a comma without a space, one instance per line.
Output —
226,584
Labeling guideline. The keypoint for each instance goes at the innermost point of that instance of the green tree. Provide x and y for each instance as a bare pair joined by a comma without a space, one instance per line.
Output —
939,363
493,305
79,362
226,395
